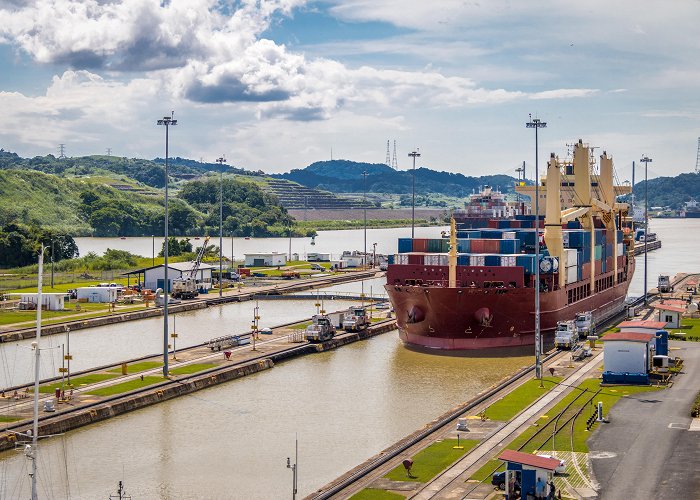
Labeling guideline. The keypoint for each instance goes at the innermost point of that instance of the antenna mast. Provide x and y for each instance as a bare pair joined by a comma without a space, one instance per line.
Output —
387,162
395,161
62,151
697,160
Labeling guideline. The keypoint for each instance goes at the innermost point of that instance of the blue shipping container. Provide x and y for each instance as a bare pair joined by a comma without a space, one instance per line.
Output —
492,260
405,245
390,258
469,234
492,234
463,259
464,245
573,224
527,262
509,246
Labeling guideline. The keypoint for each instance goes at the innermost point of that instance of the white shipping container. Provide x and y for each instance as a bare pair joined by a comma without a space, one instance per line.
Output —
476,260
620,249
565,238
508,261
508,235
571,274
402,259
571,257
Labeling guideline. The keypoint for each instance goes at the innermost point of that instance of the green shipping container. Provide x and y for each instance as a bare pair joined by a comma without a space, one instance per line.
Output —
598,252
434,246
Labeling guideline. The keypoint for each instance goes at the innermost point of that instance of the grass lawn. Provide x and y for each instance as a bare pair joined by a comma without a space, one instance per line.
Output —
141,366
375,494
513,403
432,460
194,368
77,382
126,386
87,310
609,396
4,418
689,326
300,326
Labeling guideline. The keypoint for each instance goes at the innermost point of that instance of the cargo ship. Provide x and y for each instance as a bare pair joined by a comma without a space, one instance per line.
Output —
486,205
476,289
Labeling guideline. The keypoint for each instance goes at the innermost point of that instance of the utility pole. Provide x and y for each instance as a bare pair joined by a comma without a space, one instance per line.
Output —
221,162
414,154
293,466
167,121
364,205
646,160
537,124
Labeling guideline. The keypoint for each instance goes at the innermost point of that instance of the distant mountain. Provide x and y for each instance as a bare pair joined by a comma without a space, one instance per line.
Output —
345,176
669,192
202,167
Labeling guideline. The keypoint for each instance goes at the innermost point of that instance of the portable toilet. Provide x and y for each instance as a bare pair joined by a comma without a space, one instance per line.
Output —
662,343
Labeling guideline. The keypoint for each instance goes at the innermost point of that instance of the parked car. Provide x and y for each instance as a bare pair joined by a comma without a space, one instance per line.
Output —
317,267
562,465
499,480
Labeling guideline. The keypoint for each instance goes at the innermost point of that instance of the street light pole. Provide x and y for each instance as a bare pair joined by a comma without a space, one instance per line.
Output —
414,155
646,160
293,466
167,121
364,206
537,124
52,260
221,162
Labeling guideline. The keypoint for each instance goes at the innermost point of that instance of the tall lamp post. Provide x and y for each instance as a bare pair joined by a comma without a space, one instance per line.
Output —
414,155
646,160
364,208
168,121
221,162
537,124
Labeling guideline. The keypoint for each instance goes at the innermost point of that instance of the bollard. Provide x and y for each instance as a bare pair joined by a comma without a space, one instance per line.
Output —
600,411
124,369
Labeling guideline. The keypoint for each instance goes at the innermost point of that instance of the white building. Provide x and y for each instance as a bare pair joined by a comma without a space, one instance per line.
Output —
49,301
670,314
154,277
318,257
104,294
352,260
265,259
628,352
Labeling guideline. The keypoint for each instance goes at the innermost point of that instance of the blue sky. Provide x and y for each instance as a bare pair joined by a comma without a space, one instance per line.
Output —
277,84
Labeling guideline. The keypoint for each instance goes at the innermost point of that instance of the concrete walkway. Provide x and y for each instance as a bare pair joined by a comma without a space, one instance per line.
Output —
648,450
454,477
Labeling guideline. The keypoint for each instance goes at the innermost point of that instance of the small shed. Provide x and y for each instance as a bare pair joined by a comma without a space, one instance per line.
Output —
524,471
670,314
104,294
627,357
49,301
154,277
265,259
352,260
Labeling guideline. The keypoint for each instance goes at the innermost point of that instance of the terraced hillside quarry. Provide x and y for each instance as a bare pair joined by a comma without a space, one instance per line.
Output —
295,196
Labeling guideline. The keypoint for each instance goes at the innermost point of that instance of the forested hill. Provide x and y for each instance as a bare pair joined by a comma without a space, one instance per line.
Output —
346,177
670,192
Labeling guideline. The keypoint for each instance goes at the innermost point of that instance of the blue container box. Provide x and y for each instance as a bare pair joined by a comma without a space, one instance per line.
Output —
526,237
527,262
492,234
492,260
463,259
573,224
509,246
390,259
469,234
464,245
405,245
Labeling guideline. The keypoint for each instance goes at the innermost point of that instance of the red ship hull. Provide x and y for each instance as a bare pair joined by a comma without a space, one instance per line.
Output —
478,318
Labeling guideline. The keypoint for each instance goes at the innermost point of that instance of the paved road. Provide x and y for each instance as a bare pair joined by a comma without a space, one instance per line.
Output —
647,451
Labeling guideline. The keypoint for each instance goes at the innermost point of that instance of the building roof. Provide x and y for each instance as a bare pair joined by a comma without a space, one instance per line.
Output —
670,307
629,336
529,459
647,324
178,266
53,294
266,254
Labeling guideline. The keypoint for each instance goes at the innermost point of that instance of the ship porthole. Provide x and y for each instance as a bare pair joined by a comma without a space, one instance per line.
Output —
512,328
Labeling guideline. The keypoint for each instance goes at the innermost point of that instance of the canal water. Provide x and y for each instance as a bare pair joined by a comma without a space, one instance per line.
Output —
232,441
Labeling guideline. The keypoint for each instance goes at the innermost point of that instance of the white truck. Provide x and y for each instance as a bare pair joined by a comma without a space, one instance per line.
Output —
664,284
565,336
320,329
355,319
584,324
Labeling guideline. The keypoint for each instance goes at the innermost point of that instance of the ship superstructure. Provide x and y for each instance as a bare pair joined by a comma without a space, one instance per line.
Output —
477,288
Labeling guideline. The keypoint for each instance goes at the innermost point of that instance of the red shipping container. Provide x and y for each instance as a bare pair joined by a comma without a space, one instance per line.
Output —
598,267
515,224
492,246
477,245
493,224
609,265
620,261
586,271
420,245
415,258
